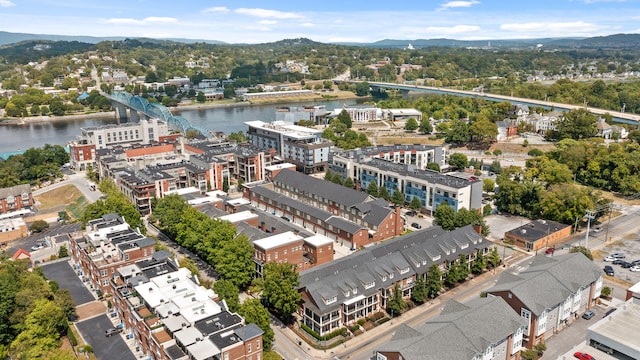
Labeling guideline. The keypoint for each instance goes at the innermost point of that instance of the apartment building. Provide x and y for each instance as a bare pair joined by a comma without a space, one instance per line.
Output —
83,151
279,248
345,162
298,145
16,199
292,114
550,294
172,317
339,293
107,245
430,187
483,328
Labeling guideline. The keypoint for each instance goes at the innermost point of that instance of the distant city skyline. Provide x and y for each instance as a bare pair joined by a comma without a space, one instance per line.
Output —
327,21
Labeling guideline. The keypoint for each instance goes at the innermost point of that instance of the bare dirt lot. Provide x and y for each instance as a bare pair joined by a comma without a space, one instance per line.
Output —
65,195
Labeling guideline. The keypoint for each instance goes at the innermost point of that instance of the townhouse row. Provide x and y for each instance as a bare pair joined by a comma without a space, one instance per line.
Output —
520,311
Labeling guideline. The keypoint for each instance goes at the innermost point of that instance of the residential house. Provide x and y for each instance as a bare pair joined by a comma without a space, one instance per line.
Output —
551,293
506,129
604,130
484,328
16,199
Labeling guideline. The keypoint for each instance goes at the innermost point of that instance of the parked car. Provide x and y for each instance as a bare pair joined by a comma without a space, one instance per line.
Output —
635,268
588,314
609,270
618,262
597,229
550,250
610,258
618,255
626,265
410,213
583,356
37,247
635,262
112,331
416,225
285,218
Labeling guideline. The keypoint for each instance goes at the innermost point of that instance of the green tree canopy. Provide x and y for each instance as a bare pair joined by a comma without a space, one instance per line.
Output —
411,124
227,291
253,312
280,288
458,161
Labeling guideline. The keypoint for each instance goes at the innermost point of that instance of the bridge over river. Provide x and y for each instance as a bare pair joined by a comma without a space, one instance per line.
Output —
404,89
139,106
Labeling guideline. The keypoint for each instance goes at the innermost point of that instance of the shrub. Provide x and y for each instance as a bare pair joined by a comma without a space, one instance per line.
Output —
361,322
72,337
329,336
606,291
39,226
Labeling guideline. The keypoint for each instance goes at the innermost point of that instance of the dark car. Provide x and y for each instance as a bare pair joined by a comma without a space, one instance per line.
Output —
285,218
416,225
111,331
609,270
410,213
635,262
588,314
626,265
618,262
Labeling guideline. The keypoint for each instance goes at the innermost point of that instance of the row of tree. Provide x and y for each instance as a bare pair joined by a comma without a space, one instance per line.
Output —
34,166
34,313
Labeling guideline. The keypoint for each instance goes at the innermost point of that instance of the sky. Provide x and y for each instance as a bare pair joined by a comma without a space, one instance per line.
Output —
326,21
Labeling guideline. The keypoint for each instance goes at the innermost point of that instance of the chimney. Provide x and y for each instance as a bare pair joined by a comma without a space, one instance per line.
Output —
478,228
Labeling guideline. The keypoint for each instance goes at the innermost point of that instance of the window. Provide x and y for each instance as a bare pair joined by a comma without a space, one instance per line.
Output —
249,347
104,272
257,344
226,355
370,285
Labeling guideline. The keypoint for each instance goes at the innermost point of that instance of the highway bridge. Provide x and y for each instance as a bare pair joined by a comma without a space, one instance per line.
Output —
404,89
139,106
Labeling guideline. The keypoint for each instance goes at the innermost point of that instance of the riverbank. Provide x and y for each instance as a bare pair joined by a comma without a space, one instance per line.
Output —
315,97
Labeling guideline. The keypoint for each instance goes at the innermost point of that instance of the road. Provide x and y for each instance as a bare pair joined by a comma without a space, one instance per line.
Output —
77,179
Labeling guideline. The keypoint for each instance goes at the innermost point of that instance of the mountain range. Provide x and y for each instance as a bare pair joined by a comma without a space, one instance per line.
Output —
616,41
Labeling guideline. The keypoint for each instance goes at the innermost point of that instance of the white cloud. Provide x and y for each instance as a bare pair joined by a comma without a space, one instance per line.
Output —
458,29
145,21
267,22
459,4
307,24
264,13
6,3
216,9
558,28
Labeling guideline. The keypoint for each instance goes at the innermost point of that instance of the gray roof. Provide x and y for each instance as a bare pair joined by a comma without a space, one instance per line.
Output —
326,189
15,191
537,229
430,176
248,332
414,252
461,331
549,280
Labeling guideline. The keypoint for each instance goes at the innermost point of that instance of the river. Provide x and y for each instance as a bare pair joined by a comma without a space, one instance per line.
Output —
225,119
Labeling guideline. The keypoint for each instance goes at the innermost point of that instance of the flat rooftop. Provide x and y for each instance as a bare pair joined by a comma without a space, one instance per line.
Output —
277,240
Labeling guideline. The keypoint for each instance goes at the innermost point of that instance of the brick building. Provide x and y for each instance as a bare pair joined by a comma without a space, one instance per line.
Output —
16,198
538,234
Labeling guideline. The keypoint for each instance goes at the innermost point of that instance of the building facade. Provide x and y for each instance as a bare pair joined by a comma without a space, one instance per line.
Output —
298,145
341,292
16,199
550,294
538,234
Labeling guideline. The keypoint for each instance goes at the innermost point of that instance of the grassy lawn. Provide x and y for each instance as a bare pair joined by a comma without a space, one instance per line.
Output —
64,195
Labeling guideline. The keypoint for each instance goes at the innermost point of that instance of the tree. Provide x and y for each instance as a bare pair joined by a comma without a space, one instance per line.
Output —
234,260
348,182
458,160
328,176
253,312
433,166
483,131
420,292
425,126
497,152
39,226
576,124
397,197
362,89
372,189
383,193
238,136
415,203
583,250
396,304
337,179
280,288
445,217
190,265
458,132
479,264
488,185
63,252
495,167
411,124
434,280
168,212
227,291
225,184
345,118
494,258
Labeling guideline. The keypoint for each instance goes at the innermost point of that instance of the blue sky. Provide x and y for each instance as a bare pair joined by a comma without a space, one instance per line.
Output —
322,20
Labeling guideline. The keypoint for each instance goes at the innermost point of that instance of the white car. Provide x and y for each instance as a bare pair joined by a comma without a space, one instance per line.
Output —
37,247
610,258
635,268
618,255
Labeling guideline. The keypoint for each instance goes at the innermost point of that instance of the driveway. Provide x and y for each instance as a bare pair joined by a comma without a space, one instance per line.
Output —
62,273
105,348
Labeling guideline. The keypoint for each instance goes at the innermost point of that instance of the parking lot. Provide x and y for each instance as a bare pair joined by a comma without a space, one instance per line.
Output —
112,347
66,278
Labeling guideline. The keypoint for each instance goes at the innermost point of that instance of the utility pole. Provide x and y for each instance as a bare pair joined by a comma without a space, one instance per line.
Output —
606,236
590,216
